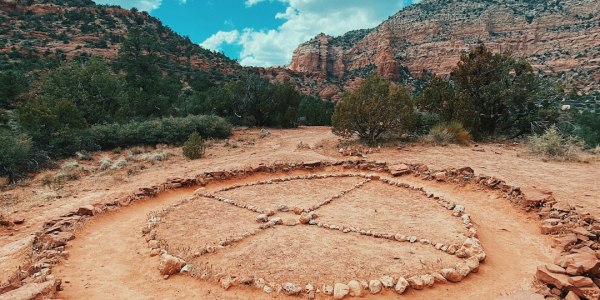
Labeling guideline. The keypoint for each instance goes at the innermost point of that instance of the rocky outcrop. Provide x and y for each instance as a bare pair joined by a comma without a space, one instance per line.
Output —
556,37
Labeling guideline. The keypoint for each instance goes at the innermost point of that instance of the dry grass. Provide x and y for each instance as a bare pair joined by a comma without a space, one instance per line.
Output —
448,133
553,145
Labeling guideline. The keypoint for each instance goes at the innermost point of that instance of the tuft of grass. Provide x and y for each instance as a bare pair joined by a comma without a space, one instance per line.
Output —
105,163
155,156
449,133
302,146
83,155
554,145
119,164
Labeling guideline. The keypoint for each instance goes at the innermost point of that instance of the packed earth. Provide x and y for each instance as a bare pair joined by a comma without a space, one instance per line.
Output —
297,214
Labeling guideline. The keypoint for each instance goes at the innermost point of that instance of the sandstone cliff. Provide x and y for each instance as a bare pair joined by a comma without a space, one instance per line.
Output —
558,37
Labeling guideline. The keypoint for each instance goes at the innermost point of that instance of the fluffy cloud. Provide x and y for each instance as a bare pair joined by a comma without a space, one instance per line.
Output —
145,5
303,20
215,41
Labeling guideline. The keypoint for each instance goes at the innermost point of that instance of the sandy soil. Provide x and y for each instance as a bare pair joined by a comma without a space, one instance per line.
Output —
295,193
308,254
202,222
109,258
383,208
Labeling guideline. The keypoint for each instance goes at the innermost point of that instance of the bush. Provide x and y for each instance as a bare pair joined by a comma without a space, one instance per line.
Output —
315,112
588,128
160,131
449,133
194,147
376,109
554,145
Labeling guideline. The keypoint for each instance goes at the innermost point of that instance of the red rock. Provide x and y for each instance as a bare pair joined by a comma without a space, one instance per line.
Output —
551,226
586,292
440,176
452,275
87,210
572,296
581,281
29,291
399,170
556,269
562,206
558,280
170,265
581,263
533,197
579,231
52,241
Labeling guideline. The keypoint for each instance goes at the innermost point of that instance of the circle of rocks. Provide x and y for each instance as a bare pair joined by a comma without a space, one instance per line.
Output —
470,250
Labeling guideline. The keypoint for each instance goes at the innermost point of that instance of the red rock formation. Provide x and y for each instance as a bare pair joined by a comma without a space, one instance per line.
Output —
555,37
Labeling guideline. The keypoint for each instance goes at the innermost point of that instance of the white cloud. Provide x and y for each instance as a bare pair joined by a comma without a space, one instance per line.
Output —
216,40
144,5
303,20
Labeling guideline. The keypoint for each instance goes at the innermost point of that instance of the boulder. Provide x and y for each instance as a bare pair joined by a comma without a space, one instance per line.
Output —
374,286
170,264
582,263
340,291
401,285
355,288
558,280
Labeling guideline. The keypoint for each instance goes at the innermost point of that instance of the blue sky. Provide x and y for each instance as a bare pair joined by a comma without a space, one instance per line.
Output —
263,32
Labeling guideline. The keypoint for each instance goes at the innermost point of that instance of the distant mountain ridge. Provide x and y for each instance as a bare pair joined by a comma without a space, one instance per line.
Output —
559,38
36,31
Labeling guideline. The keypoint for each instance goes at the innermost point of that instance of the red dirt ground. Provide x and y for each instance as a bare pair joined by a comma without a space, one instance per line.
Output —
109,258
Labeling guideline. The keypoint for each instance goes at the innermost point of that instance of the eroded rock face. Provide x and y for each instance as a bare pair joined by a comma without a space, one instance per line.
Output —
432,35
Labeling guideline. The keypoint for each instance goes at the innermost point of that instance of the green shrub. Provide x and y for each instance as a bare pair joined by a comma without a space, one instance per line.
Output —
377,109
194,147
588,128
159,131
554,145
449,133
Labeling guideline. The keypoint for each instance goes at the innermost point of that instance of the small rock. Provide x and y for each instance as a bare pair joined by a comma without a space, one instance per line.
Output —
153,244
428,280
226,282
473,264
19,221
439,278
557,280
267,289
340,291
401,285
262,218
291,289
355,288
374,286
154,252
451,275
283,208
416,282
87,210
328,290
170,265
387,281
